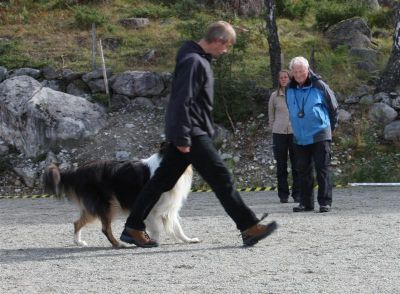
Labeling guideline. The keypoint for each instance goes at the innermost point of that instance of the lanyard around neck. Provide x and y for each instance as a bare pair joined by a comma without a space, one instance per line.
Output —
301,113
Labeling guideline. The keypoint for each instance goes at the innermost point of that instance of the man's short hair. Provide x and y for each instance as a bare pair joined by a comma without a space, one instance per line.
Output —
299,60
220,30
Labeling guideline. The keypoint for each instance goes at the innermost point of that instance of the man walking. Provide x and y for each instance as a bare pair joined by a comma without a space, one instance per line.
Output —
189,128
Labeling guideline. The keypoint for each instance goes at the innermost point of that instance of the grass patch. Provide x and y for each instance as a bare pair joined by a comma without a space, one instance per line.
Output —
85,16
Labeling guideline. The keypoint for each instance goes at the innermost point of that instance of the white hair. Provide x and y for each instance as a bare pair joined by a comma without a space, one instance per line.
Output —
299,60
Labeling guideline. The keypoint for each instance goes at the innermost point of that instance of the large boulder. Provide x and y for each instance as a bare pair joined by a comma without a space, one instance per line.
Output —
382,113
392,131
353,32
34,118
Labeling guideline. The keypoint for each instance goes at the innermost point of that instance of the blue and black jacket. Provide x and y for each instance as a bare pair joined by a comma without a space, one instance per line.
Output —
313,110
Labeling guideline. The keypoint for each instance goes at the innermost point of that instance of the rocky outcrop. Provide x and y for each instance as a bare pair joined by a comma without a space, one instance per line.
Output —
34,118
353,32
356,34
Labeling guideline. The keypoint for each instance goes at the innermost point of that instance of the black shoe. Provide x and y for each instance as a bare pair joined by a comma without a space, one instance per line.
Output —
284,200
302,208
324,208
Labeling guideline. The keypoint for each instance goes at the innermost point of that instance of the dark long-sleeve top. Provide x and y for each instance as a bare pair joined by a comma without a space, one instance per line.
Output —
189,111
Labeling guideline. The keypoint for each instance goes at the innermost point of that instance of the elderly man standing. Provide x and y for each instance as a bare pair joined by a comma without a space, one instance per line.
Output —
313,112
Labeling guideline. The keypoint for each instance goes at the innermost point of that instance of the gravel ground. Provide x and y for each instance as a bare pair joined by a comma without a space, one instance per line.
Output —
353,249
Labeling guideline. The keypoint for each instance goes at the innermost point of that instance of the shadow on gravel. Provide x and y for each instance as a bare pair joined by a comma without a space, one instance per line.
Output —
36,254
10,256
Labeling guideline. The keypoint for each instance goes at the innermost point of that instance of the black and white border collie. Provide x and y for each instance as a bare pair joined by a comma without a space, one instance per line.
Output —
102,189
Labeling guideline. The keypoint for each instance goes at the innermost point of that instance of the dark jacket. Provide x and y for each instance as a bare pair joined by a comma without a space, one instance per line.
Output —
192,96
319,106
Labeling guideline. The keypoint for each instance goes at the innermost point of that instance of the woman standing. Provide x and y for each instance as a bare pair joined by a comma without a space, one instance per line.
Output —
282,136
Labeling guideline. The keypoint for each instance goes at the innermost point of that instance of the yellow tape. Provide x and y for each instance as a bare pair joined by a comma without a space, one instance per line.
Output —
27,196
254,189
257,189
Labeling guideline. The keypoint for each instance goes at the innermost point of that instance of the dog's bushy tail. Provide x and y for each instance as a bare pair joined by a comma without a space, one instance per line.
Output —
52,180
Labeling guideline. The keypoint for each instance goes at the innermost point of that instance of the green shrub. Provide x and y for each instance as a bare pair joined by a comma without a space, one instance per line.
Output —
192,30
382,18
330,13
293,9
101,98
11,56
371,160
85,16
186,8
233,101
381,167
152,11
233,93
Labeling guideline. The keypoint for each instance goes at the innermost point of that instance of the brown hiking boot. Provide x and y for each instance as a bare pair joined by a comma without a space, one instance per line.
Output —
252,235
139,238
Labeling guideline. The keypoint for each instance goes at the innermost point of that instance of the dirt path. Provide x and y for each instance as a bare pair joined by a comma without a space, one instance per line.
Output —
353,249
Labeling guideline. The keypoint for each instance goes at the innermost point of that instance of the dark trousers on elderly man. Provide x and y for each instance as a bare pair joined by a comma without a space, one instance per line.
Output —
283,146
206,160
319,156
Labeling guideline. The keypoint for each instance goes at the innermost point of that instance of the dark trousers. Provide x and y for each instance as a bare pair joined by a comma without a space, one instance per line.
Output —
320,154
282,146
206,160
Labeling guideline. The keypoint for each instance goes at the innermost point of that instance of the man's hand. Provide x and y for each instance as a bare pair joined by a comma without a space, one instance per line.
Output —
183,149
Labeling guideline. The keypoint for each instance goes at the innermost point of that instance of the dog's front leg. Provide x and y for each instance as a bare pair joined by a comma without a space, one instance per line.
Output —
77,239
78,225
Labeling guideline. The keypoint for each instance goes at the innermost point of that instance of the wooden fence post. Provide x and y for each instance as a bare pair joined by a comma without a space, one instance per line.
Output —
94,46
103,66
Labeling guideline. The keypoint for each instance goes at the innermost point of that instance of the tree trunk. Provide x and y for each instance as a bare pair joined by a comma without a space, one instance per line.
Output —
390,77
273,41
